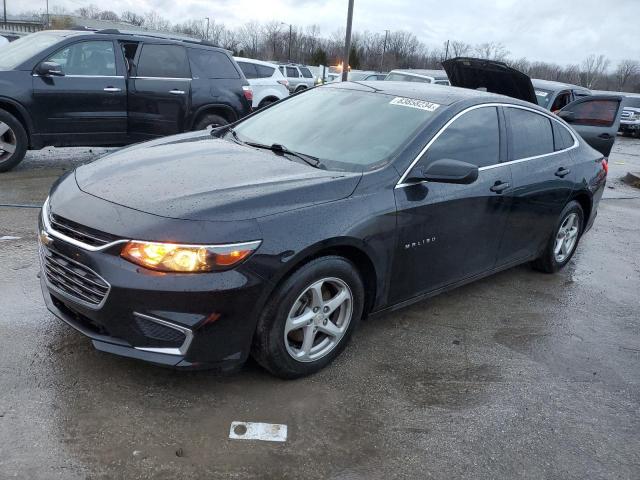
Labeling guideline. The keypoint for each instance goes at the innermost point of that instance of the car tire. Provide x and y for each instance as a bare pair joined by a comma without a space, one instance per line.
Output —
210,120
266,102
14,137
564,240
290,349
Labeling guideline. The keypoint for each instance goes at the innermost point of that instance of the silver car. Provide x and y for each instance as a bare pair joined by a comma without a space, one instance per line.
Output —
299,77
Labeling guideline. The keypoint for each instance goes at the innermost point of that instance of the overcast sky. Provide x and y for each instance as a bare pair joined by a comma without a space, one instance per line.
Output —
562,31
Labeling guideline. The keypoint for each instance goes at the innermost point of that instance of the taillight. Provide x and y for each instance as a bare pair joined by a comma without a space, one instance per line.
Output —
605,166
284,82
248,93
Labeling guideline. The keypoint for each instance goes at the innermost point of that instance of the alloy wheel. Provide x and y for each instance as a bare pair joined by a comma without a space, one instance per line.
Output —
8,141
566,238
318,319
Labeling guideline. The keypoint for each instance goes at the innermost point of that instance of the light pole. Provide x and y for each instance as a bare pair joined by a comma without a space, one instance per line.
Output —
290,34
4,4
384,50
347,43
206,33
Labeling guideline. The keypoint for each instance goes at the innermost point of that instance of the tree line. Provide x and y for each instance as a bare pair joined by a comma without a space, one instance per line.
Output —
381,51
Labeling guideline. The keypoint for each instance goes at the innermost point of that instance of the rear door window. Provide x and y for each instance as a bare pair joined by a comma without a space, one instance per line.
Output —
472,138
163,61
292,72
211,64
601,113
562,139
249,69
264,71
530,134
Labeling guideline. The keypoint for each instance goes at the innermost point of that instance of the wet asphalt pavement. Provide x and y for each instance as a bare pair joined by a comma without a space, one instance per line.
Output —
521,375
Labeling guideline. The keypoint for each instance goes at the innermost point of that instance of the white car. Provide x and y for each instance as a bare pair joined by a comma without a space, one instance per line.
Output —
3,40
267,83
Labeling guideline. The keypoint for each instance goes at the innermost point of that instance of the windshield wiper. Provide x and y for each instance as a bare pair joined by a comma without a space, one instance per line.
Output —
282,150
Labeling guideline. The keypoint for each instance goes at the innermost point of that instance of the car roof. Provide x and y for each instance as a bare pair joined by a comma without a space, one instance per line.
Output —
150,37
440,94
257,62
551,85
624,94
438,74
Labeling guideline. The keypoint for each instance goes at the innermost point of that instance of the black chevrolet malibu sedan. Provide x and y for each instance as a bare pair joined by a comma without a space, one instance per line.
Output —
276,235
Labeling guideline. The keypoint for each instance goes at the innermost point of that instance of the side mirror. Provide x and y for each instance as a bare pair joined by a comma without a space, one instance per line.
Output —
446,171
50,69
567,116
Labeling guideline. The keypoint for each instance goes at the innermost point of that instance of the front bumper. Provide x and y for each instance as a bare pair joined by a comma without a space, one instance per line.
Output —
203,320
629,126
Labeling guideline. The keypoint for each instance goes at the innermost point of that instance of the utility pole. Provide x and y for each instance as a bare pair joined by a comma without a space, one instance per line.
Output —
206,33
290,32
446,52
384,50
290,35
347,43
4,4
48,18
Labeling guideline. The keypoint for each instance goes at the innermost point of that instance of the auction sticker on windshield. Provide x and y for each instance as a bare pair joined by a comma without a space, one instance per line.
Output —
540,93
410,102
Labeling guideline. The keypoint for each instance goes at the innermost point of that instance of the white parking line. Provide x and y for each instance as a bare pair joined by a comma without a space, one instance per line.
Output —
268,432
8,237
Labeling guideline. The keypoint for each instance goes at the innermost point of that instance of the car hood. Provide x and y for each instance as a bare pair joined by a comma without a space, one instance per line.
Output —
198,177
494,76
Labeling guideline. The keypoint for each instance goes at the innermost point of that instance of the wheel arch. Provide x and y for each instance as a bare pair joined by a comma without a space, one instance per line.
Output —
270,97
21,114
216,108
585,201
352,249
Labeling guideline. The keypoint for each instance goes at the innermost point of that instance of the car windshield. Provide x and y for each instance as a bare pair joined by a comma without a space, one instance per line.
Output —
23,49
543,96
345,129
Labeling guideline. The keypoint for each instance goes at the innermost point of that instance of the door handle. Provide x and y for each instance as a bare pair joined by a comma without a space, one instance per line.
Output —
176,92
112,89
499,187
562,172
605,136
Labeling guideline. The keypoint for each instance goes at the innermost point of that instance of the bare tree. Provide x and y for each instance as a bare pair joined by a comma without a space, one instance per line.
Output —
271,32
625,70
250,37
109,15
132,18
90,11
492,51
154,21
592,68
459,49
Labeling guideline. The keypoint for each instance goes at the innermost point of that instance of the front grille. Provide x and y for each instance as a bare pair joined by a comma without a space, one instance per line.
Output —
72,278
159,332
83,234
626,115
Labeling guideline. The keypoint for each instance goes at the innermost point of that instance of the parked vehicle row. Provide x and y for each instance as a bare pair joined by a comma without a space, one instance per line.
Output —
66,88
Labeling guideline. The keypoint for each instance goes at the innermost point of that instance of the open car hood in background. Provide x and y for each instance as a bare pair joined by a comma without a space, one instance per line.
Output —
494,76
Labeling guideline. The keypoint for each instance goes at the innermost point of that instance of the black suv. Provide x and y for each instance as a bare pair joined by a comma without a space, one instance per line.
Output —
71,88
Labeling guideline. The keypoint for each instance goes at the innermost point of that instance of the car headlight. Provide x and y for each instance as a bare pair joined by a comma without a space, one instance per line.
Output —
172,257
